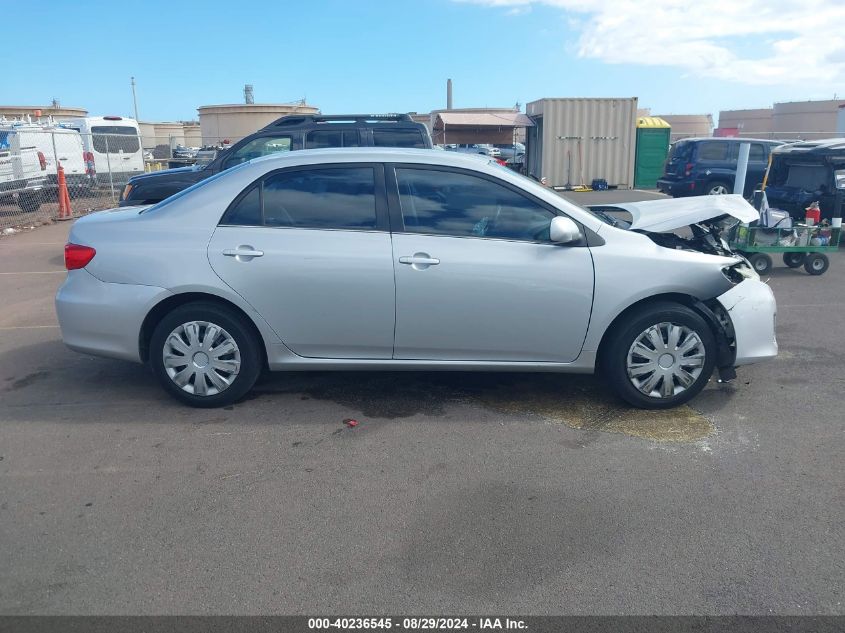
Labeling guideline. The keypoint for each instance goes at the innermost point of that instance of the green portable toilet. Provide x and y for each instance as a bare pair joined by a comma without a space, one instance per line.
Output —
652,150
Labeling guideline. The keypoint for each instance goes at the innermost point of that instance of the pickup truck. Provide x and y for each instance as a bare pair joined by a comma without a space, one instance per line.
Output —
23,174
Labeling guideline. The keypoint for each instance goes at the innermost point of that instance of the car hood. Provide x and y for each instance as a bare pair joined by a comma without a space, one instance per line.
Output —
659,216
164,172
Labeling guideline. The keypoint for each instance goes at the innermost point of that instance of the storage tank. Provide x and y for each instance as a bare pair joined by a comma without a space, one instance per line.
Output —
193,135
234,121
653,135
577,140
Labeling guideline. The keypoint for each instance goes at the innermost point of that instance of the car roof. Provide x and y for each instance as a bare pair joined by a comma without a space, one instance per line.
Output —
375,155
725,139
352,120
822,147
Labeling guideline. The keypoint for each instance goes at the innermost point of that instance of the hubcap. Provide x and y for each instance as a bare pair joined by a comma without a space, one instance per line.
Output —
665,360
201,358
718,190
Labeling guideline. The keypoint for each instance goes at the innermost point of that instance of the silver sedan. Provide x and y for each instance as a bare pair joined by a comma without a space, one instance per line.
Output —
412,259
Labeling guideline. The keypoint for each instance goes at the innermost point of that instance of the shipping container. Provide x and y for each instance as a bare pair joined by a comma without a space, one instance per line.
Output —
576,141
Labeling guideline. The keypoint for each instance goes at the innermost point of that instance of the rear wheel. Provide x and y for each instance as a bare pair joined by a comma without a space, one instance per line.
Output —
205,355
717,188
817,263
794,260
761,262
661,357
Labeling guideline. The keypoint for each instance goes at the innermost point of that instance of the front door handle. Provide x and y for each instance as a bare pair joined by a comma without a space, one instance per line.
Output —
419,261
243,253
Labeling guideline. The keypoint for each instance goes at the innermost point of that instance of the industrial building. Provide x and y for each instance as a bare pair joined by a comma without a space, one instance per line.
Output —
478,125
793,120
234,121
574,141
688,125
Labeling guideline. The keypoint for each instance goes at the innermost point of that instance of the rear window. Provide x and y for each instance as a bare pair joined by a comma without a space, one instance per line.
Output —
713,151
680,150
398,138
115,138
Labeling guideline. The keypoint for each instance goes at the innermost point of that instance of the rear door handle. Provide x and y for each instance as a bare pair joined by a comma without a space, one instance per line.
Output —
243,253
419,261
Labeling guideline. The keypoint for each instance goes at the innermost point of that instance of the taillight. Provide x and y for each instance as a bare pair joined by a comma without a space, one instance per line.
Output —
88,157
78,256
688,169
126,191
42,161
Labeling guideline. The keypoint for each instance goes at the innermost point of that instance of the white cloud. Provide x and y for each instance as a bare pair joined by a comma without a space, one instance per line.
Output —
763,42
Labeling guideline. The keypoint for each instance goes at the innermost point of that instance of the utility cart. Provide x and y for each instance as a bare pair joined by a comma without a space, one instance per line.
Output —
800,245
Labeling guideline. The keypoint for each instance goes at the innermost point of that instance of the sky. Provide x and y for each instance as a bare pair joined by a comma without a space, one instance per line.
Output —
395,55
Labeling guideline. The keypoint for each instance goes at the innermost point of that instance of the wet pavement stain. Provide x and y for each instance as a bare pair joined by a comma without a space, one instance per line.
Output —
576,401
579,404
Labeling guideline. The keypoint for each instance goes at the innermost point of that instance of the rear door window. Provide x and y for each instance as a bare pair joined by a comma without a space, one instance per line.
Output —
711,150
398,138
332,138
328,198
757,153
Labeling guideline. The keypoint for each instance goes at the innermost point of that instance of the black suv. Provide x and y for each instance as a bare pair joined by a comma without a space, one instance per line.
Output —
290,133
803,173
702,166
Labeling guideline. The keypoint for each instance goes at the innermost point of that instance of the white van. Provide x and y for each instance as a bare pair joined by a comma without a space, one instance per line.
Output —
112,146
53,142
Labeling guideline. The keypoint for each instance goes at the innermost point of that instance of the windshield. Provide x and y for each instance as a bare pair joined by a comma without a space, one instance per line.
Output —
184,192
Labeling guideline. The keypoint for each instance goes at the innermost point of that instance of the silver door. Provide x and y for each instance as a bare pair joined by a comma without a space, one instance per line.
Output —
328,293
491,300
485,298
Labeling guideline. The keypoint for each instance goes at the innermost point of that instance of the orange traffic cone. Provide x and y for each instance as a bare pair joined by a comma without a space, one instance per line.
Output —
65,212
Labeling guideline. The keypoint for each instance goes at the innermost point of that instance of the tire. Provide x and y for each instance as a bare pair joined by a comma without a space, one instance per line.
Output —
240,356
29,202
794,260
718,188
626,370
761,263
817,263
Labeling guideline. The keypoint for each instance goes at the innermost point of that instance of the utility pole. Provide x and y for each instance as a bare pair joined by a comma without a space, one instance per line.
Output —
134,98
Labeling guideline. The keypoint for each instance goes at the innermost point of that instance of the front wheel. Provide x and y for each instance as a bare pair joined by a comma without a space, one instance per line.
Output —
205,355
761,262
660,357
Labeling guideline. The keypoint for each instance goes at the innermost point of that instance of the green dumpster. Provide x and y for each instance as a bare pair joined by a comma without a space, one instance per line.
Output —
652,150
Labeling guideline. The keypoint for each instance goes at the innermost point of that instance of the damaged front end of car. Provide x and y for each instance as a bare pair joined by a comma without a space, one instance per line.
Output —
704,225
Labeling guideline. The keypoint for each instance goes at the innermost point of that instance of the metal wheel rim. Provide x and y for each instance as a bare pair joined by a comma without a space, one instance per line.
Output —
201,358
718,190
760,264
817,263
665,360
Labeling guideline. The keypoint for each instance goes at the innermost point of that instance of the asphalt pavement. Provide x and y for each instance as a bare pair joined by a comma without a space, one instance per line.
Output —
456,492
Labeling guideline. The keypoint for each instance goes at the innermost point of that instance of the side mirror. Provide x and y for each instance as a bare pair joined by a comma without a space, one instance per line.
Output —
839,178
564,230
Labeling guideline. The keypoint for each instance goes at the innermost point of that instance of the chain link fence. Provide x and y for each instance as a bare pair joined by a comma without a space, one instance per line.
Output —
96,169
